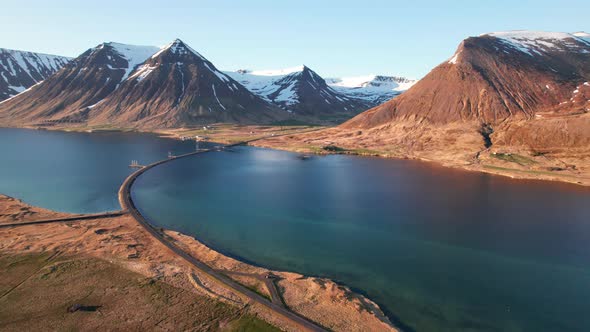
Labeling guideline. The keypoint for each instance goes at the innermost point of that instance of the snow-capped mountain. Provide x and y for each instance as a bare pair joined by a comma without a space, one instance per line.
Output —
177,86
300,91
19,70
374,89
494,77
524,90
364,91
81,84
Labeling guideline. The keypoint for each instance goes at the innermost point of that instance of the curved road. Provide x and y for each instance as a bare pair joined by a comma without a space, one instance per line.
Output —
127,205
267,279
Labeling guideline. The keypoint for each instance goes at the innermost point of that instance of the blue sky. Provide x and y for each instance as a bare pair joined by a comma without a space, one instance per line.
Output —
335,38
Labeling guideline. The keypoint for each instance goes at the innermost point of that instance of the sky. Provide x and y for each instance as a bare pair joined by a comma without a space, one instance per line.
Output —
334,38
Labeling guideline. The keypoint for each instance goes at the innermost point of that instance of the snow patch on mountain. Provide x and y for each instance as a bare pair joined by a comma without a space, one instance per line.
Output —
18,89
135,55
274,85
454,59
266,82
30,62
216,98
223,77
583,35
177,47
287,95
374,89
538,42
142,72
275,72
20,70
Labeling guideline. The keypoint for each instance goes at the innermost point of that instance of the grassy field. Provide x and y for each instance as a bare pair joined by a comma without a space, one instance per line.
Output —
332,149
513,158
250,324
536,172
229,134
38,291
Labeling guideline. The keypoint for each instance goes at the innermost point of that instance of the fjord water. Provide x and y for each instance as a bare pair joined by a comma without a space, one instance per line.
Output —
75,172
438,249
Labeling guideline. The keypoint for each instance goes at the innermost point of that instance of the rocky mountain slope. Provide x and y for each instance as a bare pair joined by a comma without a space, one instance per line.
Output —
139,86
505,100
81,84
177,87
125,85
494,77
19,70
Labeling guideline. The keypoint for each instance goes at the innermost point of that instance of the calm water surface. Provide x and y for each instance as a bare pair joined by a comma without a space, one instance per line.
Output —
75,172
438,249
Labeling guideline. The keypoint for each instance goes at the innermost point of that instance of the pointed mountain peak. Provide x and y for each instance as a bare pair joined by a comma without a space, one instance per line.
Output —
306,71
178,41
179,48
178,44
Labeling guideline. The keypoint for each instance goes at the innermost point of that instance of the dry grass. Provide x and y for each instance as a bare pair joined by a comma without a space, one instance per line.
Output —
38,289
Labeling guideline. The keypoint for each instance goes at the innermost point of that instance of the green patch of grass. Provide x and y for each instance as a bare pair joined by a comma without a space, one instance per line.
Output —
239,139
97,128
366,152
333,148
314,149
19,266
513,158
498,168
340,150
250,323
292,122
38,290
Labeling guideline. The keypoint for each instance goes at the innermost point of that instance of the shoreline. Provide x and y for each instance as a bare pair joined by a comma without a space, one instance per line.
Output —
513,173
243,131
508,172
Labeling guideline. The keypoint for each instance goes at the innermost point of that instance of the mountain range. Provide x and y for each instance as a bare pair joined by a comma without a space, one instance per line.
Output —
501,95
301,90
374,89
514,92
145,86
